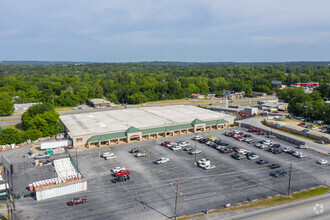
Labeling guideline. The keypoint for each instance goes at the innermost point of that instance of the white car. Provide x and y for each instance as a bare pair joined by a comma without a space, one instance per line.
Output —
209,167
203,160
172,144
197,151
162,160
109,157
242,151
314,127
208,143
321,161
174,148
197,138
117,169
253,157
106,154
301,155
286,149
184,144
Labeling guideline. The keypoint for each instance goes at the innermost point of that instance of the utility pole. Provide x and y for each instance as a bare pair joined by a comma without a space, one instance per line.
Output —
289,186
176,198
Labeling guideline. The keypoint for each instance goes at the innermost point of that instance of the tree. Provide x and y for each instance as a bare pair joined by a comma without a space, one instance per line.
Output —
6,107
11,136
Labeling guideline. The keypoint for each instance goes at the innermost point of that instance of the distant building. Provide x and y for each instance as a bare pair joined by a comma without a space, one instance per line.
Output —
211,96
276,83
100,103
197,96
24,106
259,94
310,84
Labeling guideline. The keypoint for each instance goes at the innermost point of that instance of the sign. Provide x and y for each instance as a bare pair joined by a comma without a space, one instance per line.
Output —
7,164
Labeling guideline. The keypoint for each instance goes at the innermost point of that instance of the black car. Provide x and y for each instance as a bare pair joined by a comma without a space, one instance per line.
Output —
238,156
133,151
247,135
276,145
226,150
277,151
120,178
248,154
274,166
262,162
214,145
291,152
202,140
278,173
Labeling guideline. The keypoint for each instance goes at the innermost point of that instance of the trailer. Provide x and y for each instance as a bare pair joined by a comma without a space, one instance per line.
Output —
55,144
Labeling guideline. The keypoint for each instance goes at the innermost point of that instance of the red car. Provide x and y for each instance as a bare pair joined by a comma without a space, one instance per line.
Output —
253,130
262,133
236,149
70,146
122,172
166,143
302,124
77,201
239,137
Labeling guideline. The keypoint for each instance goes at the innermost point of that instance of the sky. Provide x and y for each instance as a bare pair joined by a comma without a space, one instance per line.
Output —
165,30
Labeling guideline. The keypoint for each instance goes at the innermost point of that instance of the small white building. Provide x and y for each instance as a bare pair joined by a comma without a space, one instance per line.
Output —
24,106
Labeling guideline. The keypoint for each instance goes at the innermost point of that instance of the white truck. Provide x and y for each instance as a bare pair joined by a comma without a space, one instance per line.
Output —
55,144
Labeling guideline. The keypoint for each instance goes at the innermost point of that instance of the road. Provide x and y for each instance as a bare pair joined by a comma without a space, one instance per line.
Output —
16,119
311,208
311,144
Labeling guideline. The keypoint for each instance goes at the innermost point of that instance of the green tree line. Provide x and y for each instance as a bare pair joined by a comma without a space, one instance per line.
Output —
69,85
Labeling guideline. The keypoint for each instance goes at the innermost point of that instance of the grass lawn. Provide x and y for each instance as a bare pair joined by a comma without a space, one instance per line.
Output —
270,201
297,135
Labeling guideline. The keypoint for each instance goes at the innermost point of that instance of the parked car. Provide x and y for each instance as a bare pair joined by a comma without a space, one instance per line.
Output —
302,124
305,130
77,201
42,156
247,135
320,141
122,172
278,173
188,149
286,149
109,157
196,138
46,162
236,149
183,144
321,161
238,156
274,166
162,160
262,162
253,157
253,130
204,160
117,169
29,155
226,150
175,148
262,133
134,151
209,167
141,154
197,151
166,143
121,178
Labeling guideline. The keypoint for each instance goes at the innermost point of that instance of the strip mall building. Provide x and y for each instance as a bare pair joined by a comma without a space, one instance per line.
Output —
138,124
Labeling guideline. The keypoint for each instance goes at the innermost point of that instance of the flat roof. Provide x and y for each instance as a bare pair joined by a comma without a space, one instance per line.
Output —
102,122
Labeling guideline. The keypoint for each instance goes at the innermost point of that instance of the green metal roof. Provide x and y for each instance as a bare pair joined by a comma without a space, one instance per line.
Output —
216,122
106,137
197,121
132,130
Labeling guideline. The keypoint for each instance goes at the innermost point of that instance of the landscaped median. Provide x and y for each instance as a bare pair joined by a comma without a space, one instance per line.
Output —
269,201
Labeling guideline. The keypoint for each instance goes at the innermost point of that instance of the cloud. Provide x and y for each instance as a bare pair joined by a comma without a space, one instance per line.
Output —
166,29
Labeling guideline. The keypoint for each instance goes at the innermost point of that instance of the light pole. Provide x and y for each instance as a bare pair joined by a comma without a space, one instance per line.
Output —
289,185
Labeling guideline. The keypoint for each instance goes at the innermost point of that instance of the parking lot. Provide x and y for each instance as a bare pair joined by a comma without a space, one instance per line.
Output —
151,190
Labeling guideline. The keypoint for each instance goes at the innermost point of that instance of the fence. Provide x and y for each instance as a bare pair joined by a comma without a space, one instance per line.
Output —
73,162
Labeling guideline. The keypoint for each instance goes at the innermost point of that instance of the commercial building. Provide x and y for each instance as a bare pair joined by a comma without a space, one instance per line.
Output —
126,125
99,103
24,106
